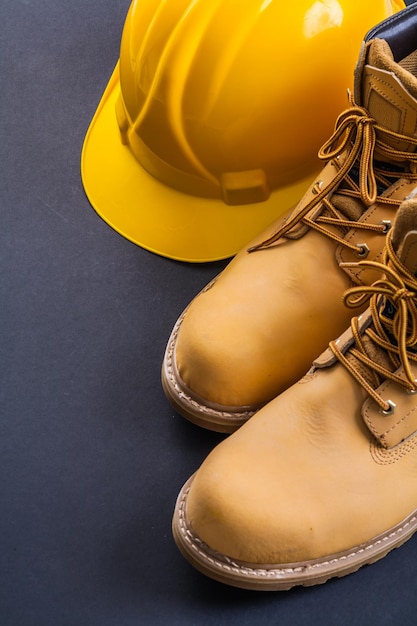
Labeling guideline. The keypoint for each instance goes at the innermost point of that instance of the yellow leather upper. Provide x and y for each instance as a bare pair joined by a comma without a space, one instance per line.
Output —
304,478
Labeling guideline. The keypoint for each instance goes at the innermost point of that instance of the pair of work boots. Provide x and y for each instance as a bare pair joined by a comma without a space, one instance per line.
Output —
320,476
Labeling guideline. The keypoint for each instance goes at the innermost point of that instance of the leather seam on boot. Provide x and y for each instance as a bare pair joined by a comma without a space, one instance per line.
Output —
384,456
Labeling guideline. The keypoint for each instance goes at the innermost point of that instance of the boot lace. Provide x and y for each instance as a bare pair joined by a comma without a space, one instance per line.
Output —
358,136
396,336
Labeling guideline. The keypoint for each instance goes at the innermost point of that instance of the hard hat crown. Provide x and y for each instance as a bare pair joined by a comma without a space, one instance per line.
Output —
229,102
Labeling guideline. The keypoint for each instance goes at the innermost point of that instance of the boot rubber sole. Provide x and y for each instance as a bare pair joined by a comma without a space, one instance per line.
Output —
281,577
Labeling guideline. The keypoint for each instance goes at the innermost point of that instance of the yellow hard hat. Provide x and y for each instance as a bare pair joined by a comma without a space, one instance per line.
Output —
210,125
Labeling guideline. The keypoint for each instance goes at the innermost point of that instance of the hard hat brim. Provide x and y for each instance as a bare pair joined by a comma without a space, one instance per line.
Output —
157,217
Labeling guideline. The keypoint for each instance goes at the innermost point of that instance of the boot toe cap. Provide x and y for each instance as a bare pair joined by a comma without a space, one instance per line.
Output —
234,517
225,362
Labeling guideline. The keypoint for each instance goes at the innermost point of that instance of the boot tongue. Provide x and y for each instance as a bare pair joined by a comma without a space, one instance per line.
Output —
404,233
404,242
388,90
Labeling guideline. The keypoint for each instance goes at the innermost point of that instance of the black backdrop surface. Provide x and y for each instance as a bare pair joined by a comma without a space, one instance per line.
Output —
92,456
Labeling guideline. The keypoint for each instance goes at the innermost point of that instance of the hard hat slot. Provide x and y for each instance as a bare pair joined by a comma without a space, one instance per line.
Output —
246,187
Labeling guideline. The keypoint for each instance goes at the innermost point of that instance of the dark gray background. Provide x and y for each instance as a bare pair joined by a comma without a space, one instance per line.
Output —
92,456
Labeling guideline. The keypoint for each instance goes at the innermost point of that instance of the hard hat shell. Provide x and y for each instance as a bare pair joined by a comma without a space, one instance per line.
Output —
209,127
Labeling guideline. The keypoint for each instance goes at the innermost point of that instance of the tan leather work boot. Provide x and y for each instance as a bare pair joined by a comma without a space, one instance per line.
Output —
324,478
255,329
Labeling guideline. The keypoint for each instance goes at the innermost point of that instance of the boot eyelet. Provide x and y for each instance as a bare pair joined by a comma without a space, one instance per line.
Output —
317,187
362,250
391,410
411,392
387,224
